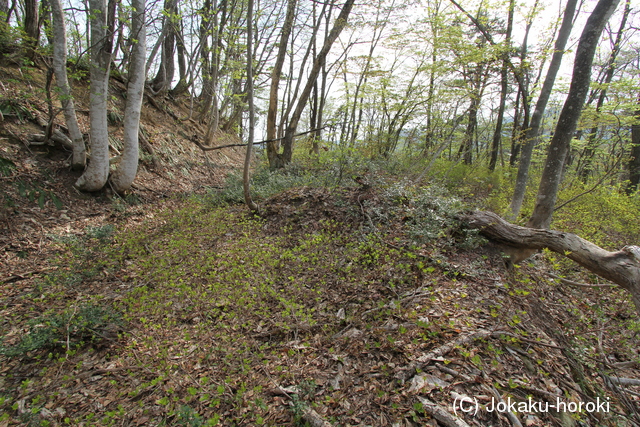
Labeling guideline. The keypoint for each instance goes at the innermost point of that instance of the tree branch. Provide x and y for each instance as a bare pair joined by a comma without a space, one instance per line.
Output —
196,141
621,267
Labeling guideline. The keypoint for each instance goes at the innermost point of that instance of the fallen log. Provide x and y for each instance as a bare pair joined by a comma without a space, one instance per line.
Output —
56,136
621,267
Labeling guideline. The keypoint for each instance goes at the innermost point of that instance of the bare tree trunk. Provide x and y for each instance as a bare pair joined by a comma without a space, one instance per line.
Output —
292,91
31,27
634,162
568,120
210,70
272,112
252,112
183,83
127,169
162,81
621,267
522,98
466,148
4,10
79,158
587,155
339,25
532,132
358,99
504,82
207,17
96,174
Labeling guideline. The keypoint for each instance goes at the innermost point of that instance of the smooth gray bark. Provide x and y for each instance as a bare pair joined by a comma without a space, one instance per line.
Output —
339,25
586,164
79,157
272,112
568,119
96,174
166,70
621,267
634,161
252,112
532,132
127,168
504,86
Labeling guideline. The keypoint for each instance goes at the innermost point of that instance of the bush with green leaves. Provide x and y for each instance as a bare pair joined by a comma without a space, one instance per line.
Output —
6,167
430,214
264,184
329,169
8,36
70,328
604,215
17,108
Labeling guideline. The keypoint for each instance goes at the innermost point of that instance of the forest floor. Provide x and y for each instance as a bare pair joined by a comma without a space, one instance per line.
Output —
359,304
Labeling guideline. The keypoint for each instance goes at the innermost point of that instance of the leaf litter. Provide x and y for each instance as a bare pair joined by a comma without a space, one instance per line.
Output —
242,320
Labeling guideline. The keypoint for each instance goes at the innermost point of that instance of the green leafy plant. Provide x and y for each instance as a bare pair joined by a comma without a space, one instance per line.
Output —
70,328
187,416
6,167
8,36
35,193
14,108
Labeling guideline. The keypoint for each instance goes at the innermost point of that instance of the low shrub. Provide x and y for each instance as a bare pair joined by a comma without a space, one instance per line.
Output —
71,328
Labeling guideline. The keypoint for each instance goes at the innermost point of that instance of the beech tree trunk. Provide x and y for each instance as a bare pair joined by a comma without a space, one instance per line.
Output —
79,158
183,82
586,158
469,141
96,174
496,142
568,120
533,130
621,267
252,111
166,70
634,161
31,27
4,10
127,169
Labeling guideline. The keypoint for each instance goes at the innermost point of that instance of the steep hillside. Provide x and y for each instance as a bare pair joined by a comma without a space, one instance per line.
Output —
37,194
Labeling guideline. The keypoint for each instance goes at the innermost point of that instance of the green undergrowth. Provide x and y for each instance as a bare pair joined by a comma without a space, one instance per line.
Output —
226,283
332,169
602,214
65,324
220,264
195,316
66,329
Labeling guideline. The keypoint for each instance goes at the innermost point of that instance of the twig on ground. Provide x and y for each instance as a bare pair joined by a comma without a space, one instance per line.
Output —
441,414
581,285
422,361
512,417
